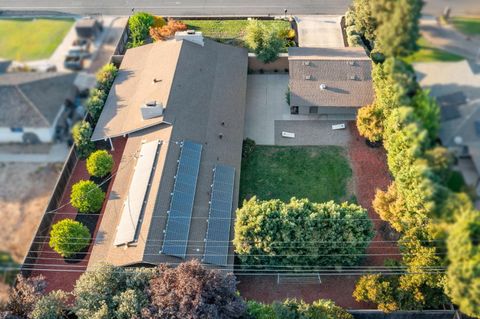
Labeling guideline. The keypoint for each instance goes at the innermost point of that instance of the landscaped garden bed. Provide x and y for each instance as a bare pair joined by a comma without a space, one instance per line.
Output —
319,173
31,39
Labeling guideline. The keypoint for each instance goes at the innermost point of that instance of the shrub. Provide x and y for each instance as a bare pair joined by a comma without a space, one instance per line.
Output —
94,106
87,197
51,306
354,40
25,294
370,122
81,133
192,291
264,231
158,22
139,24
291,308
106,76
248,147
265,41
168,30
69,237
378,289
100,163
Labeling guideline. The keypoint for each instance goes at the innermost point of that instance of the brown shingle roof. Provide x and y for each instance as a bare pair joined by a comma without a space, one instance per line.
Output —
208,89
345,72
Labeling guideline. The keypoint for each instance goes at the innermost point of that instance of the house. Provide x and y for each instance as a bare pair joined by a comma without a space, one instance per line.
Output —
31,105
181,106
330,83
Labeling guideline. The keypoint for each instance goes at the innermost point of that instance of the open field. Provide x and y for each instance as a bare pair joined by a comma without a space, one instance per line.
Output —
31,39
228,31
468,26
319,173
428,53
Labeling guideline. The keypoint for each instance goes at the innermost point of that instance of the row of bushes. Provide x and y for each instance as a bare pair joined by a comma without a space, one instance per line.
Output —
430,217
187,291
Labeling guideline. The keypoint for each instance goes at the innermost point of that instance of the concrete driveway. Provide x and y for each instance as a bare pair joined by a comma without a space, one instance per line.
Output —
320,31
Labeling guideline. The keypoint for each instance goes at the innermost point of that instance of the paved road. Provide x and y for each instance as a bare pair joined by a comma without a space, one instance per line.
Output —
217,7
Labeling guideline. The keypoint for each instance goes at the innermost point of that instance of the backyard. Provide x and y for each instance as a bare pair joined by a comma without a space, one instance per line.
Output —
319,173
229,31
428,53
31,39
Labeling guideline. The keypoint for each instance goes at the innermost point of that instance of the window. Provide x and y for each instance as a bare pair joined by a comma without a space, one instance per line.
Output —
16,129
313,109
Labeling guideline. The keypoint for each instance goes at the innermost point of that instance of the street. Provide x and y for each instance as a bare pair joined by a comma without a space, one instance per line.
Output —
218,7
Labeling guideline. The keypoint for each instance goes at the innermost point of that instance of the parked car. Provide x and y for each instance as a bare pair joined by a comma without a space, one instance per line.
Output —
81,44
73,62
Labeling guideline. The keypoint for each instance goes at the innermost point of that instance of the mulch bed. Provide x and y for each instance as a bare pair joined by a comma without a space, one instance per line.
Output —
370,172
62,273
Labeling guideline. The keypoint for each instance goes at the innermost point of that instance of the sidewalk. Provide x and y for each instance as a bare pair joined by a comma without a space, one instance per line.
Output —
445,37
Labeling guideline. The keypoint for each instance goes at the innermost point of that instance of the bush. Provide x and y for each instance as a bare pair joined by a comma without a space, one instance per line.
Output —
265,41
24,295
69,237
87,197
51,306
158,22
100,163
94,106
106,76
81,133
378,289
139,24
355,40
264,231
168,30
370,122
248,147
291,308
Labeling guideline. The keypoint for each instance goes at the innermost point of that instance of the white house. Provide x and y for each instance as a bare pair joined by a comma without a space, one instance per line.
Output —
31,105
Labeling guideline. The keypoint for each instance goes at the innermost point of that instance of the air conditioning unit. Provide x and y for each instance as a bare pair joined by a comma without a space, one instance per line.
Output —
151,110
308,77
307,63
353,77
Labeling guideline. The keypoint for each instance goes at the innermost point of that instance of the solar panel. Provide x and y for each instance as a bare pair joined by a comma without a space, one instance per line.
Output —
132,208
181,204
219,221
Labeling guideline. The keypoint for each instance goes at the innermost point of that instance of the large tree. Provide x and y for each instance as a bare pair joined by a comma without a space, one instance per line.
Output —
301,233
266,41
192,291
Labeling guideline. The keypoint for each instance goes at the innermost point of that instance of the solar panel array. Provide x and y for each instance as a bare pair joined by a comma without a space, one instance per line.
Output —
181,205
217,240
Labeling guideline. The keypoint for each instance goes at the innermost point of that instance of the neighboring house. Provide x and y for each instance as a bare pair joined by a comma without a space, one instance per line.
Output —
181,103
31,104
330,83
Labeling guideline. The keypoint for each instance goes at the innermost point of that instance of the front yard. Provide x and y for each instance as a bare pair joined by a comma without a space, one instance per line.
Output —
319,173
468,26
31,39
428,53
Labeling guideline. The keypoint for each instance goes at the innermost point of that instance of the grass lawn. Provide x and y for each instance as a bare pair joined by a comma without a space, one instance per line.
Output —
314,172
468,26
228,31
428,53
31,39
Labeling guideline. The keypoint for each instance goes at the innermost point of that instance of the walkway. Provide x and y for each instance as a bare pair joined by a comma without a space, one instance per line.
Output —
320,31
59,272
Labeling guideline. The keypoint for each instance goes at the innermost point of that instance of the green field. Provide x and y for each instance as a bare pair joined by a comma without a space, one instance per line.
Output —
228,31
468,26
319,173
31,39
428,53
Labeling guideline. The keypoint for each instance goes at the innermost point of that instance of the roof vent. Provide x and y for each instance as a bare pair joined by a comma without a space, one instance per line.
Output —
307,63
190,35
323,86
151,110
308,77
353,77
352,63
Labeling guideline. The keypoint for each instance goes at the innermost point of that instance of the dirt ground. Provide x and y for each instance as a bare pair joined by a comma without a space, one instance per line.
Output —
24,194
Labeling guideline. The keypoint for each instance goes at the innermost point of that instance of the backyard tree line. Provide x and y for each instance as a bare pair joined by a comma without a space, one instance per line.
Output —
187,291
439,227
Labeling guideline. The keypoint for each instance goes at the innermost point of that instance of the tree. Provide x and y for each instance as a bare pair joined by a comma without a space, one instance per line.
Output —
193,291
378,289
265,231
69,237
292,308
81,133
100,163
428,112
51,306
95,102
265,41
397,28
139,25
106,76
370,122
87,197
440,160
365,22
463,275
112,292
25,294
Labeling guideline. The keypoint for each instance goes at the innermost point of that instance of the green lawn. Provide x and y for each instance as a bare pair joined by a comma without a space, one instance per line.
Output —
31,39
428,53
317,173
469,26
228,31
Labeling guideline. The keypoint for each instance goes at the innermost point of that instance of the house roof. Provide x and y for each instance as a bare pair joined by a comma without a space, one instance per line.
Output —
204,91
344,72
30,99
